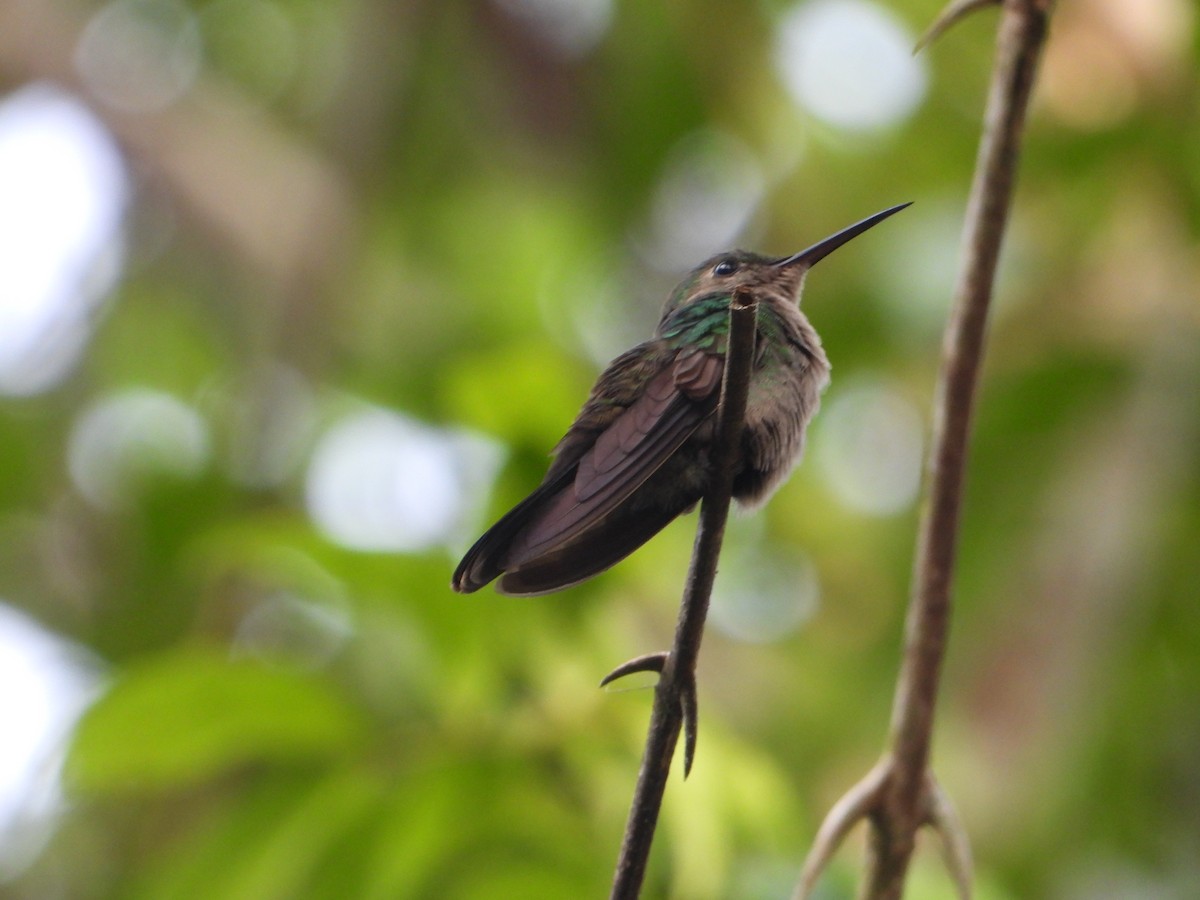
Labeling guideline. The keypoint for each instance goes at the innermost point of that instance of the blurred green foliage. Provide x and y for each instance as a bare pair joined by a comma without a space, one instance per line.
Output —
283,715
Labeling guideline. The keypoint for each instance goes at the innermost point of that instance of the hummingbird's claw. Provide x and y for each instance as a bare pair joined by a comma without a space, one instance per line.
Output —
954,12
651,662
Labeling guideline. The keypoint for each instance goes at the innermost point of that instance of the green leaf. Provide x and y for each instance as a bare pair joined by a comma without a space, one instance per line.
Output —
187,716
272,844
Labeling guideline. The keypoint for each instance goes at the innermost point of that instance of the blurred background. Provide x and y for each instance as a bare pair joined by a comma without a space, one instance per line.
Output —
295,298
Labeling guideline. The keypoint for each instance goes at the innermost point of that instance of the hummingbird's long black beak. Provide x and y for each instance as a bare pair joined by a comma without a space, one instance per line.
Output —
821,249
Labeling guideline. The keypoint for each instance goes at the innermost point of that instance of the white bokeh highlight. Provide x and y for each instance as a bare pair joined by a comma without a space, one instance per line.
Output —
63,191
47,684
379,481
850,63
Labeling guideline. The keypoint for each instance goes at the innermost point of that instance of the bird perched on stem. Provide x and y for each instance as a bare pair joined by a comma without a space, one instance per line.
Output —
637,455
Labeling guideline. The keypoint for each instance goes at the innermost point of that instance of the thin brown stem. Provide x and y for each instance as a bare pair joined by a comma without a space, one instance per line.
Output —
675,695
1019,43
908,796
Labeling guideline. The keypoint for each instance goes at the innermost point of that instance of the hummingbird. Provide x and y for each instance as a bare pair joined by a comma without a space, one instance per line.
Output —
638,454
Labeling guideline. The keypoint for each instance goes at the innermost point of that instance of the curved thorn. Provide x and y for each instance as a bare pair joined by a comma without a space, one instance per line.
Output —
691,715
854,805
955,11
943,818
651,662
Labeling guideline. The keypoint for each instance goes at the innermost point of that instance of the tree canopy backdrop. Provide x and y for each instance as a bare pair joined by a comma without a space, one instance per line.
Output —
359,265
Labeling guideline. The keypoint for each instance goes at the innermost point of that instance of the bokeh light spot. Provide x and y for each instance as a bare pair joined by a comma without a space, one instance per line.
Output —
760,599
63,188
133,436
914,267
710,187
869,447
379,481
47,683
572,27
1089,80
140,56
850,63
288,626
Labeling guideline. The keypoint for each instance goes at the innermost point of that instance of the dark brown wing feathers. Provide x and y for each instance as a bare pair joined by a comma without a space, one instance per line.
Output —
698,374
569,515
485,560
614,538
578,522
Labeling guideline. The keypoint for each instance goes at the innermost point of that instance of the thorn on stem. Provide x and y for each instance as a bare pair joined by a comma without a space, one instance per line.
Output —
689,706
943,818
954,12
856,804
651,662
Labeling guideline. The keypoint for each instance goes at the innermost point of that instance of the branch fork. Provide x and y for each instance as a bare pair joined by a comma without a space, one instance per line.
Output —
872,800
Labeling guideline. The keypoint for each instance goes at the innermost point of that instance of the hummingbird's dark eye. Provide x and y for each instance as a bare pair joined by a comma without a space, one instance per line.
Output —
725,267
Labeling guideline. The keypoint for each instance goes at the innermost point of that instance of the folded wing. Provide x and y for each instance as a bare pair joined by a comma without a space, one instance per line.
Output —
585,517
596,520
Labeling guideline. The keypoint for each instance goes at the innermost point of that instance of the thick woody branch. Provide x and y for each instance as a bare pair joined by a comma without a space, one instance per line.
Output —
675,695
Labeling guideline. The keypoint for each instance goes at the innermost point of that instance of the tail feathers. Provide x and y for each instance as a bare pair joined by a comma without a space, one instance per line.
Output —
553,567
485,561
599,548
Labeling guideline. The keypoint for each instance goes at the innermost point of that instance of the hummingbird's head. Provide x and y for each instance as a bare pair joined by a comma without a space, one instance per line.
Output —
726,272
772,276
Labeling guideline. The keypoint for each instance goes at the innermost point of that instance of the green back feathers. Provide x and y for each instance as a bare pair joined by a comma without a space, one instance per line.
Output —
703,323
